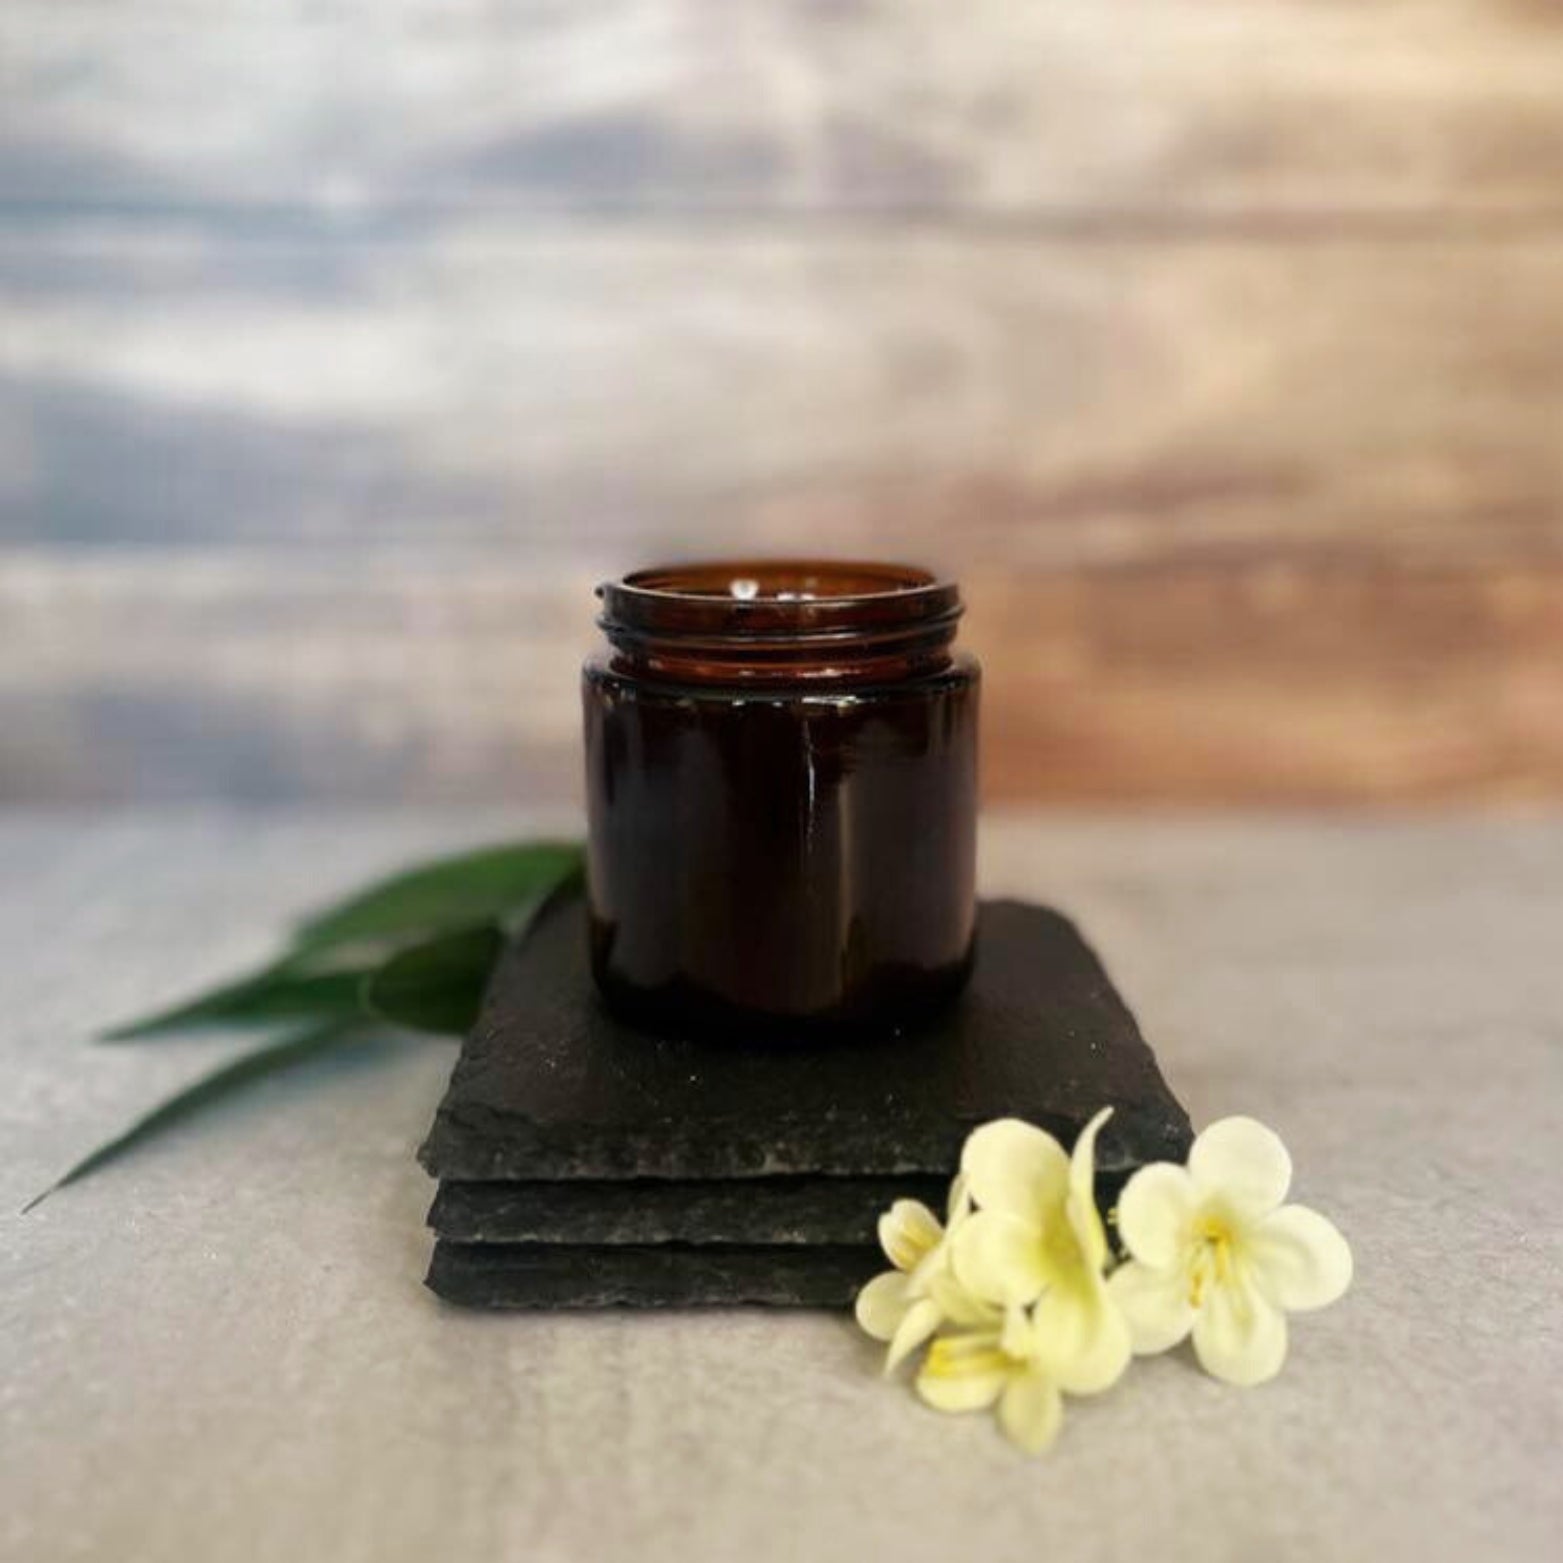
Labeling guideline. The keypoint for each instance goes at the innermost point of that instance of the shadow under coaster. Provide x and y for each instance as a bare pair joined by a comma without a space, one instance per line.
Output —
585,1163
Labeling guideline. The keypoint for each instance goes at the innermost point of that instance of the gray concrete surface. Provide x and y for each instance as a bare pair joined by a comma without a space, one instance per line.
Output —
220,1349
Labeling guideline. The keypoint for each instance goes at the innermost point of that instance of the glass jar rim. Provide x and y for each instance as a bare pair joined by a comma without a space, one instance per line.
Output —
786,598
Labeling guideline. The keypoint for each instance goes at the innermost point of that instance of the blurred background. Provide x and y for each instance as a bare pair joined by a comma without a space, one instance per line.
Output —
1215,345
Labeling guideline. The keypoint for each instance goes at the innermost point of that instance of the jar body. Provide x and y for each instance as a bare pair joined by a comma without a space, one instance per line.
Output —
781,769
793,855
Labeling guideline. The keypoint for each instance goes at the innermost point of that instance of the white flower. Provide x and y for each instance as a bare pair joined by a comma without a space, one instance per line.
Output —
1036,1238
900,1306
1213,1251
993,1357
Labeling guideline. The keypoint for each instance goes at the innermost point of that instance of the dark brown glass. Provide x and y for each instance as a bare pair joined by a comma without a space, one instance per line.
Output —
781,769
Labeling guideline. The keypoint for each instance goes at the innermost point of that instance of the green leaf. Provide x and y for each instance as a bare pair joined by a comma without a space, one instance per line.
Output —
230,1077
280,992
495,884
436,986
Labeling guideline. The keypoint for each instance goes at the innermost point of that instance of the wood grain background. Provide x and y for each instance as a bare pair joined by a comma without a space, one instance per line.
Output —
1218,348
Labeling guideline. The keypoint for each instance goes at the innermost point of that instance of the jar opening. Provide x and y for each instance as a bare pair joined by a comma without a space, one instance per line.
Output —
781,580
745,619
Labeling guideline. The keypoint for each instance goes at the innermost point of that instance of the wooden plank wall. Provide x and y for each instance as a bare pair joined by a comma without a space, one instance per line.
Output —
1217,348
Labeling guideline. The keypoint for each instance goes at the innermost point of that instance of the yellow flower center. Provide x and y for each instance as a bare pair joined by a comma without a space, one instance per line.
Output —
1061,1246
1212,1257
957,1356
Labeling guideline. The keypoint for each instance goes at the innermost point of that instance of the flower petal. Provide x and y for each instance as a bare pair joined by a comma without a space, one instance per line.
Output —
1015,1167
1000,1258
1080,1207
1298,1259
1244,1162
964,1372
1155,1212
958,1207
1080,1336
908,1232
919,1323
1154,1304
1030,1410
1239,1336
959,1306
882,1304
1016,1338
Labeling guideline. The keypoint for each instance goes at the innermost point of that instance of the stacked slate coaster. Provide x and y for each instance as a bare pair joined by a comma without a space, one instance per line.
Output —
584,1163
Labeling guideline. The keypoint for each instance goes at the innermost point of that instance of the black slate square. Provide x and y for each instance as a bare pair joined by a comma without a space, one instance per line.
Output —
797,1210
551,1086
668,1275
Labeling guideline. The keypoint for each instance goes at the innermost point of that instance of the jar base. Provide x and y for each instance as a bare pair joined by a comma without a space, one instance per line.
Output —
896,1001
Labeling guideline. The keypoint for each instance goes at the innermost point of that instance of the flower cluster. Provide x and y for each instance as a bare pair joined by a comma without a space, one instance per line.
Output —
1019,1300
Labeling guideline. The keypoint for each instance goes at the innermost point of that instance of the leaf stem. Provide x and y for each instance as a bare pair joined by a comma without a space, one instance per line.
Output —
227,1078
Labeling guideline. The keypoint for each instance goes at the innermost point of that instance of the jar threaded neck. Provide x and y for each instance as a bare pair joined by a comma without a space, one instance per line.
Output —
781,621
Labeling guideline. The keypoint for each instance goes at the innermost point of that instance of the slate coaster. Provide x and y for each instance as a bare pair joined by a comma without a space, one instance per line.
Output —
807,1210
669,1275
551,1086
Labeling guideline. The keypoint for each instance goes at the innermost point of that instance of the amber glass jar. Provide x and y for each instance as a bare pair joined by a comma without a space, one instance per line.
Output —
781,769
